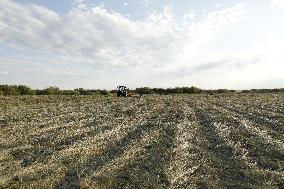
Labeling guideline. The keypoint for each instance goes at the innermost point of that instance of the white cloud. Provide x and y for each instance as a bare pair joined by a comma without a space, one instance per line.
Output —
113,45
3,73
189,16
77,1
146,3
277,3
125,3
107,38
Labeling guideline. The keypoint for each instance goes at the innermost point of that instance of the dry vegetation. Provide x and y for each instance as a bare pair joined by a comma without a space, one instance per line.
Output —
172,141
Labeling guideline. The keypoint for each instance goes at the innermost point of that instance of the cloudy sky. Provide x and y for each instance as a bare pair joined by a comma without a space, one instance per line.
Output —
236,44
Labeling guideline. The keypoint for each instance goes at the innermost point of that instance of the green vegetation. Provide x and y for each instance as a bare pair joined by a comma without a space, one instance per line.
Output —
9,90
24,90
53,90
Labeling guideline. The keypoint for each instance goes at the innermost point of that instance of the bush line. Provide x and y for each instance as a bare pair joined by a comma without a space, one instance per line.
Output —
8,90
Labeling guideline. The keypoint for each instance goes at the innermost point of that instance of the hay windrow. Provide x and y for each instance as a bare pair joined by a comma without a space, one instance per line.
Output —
158,141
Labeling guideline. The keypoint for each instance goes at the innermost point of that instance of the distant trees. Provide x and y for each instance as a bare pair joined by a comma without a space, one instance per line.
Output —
69,92
159,91
103,92
144,90
53,90
195,90
9,90
25,90
81,91
177,90
192,90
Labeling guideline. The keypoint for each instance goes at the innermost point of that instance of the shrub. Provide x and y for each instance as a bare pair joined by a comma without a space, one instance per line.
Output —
80,91
159,91
178,90
113,91
169,91
69,92
222,91
104,92
40,92
145,90
194,90
25,90
52,91
210,92
9,89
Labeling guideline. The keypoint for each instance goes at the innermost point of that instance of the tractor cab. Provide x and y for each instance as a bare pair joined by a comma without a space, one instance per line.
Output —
121,91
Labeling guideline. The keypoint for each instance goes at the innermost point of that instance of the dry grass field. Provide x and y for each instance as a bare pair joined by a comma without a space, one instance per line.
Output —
168,141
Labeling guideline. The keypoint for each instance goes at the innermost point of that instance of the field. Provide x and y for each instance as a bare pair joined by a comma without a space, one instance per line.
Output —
168,141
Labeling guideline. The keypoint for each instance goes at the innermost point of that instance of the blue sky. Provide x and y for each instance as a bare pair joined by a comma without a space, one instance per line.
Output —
104,43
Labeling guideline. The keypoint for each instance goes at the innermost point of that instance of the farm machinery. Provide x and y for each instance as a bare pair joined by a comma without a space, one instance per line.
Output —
122,91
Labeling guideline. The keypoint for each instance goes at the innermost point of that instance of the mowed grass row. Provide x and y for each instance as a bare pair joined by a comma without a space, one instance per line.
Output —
172,141
60,143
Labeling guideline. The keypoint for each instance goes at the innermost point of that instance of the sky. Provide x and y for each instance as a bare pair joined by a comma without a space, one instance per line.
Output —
210,44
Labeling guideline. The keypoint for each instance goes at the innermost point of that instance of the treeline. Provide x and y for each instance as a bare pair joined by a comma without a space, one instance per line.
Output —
25,90
176,90
195,90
